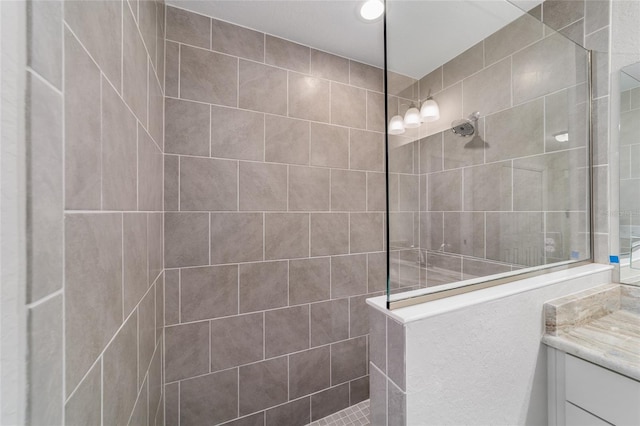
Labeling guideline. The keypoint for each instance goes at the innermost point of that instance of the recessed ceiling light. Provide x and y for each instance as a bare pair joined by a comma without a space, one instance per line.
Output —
372,9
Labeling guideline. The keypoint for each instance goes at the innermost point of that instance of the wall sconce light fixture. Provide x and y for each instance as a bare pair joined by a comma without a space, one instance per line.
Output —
429,111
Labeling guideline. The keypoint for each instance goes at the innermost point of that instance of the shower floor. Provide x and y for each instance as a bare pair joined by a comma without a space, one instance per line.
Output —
356,415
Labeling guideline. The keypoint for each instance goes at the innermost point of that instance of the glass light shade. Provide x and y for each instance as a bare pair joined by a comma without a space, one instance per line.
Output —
396,125
372,9
430,111
412,118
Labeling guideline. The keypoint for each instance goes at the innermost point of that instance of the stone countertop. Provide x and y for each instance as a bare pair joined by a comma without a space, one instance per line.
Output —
600,325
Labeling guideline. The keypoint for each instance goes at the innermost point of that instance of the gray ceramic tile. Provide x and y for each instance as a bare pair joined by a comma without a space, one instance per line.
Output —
489,90
148,21
378,390
574,32
208,292
461,152
45,362
186,127
396,342
186,239
431,153
445,191
155,383
286,235
408,193
359,390
517,238
596,15
308,189
262,88
309,280
329,146
402,86
329,233
286,140
376,272
257,419
285,54
375,111
366,232
120,374
376,192
208,184
286,330
366,150
348,106
560,13
84,407
600,127
401,155
567,234
598,42
309,372
555,181
507,141
263,385
187,27
365,76
98,25
134,69
402,229
186,351
237,41
518,34
93,247
136,282
118,152
396,405
236,237
263,286
468,62
308,97
82,128
329,401
209,399
172,69
149,173
172,404
296,412
44,52
377,340
358,316
488,187
156,110
236,340
159,307
208,76
553,56
140,414
237,134
566,111
431,83
464,233
263,186
329,322
44,175
348,360
348,190
328,66
172,296
348,275
475,268
155,245
443,269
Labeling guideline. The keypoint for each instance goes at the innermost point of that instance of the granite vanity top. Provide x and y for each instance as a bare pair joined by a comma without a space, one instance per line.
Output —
600,325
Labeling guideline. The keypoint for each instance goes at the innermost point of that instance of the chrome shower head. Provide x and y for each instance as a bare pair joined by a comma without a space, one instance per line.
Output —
466,126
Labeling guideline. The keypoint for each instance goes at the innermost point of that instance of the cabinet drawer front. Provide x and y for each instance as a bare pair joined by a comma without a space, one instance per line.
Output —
578,417
608,395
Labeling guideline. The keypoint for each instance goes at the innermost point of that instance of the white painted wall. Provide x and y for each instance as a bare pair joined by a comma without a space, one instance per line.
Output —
482,363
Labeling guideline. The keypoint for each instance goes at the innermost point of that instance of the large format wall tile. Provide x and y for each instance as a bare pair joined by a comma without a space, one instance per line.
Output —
135,280
348,106
93,247
489,90
150,176
286,235
189,28
328,66
208,292
286,140
209,399
236,341
237,134
186,239
186,351
304,380
238,41
286,54
286,330
263,286
262,88
263,385
186,127
134,69
236,237
84,407
263,186
329,146
329,322
208,76
308,97
208,184
308,189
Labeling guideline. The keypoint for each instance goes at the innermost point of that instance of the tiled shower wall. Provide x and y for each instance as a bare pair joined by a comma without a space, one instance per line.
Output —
95,256
274,225
514,197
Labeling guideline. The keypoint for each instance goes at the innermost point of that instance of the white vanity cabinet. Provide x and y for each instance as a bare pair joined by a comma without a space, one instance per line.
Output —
584,394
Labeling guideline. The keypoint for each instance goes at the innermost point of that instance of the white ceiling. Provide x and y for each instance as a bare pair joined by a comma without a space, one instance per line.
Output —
422,34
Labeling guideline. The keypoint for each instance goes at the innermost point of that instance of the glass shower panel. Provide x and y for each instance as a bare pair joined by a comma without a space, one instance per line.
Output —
496,181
